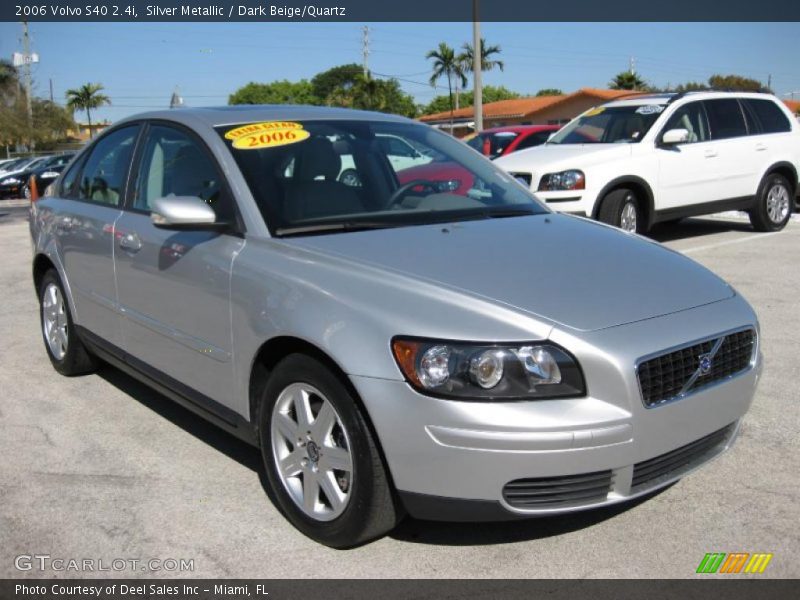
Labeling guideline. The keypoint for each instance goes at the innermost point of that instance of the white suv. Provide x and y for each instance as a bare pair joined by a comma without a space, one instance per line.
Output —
646,159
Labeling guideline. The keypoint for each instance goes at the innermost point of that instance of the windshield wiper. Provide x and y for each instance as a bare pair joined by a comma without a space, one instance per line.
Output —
507,211
329,227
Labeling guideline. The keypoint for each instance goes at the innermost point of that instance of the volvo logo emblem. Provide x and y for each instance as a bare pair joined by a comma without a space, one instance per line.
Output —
706,363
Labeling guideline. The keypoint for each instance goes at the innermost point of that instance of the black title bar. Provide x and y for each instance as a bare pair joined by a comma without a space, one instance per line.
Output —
401,11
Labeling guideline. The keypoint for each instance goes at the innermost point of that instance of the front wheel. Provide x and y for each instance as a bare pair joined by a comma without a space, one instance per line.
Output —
773,206
621,208
320,457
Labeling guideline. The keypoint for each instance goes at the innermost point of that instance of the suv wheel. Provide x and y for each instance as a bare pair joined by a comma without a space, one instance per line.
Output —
320,457
621,208
773,206
64,348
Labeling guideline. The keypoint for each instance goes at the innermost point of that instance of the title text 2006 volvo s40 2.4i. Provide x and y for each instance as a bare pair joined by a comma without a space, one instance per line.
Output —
391,347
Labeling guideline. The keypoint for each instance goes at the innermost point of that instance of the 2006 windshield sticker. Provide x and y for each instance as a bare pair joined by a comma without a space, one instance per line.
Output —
266,135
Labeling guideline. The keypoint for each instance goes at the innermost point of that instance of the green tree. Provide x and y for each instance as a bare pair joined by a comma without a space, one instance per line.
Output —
736,83
691,86
367,93
446,64
549,92
628,80
343,76
277,92
88,97
487,62
50,123
490,94
9,80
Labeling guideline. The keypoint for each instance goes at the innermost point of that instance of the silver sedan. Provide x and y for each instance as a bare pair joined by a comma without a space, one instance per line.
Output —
424,337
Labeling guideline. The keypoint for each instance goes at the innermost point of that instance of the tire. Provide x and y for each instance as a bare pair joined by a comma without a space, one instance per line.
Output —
364,508
61,341
773,207
621,208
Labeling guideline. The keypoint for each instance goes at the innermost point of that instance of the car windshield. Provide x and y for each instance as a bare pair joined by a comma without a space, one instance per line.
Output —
323,176
493,144
610,125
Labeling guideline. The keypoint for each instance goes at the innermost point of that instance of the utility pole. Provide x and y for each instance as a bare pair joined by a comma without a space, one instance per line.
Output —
769,81
632,65
477,64
26,49
51,90
365,50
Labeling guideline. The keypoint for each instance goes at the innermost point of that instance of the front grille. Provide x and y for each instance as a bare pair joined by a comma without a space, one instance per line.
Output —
554,492
677,373
526,177
672,464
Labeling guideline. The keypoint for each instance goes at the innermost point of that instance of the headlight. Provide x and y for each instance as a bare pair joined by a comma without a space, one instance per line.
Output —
10,181
565,180
49,174
488,371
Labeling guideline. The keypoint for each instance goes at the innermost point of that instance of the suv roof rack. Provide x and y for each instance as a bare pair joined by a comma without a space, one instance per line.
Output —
679,95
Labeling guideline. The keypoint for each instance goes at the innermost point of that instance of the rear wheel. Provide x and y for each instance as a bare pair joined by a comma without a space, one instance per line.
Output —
621,208
320,457
64,348
773,206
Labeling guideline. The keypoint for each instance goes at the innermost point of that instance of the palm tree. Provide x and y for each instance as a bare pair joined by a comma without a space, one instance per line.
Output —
87,97
487,63
627,80
446,64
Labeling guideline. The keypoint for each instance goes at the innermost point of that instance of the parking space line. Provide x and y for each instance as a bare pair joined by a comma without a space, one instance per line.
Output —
749,238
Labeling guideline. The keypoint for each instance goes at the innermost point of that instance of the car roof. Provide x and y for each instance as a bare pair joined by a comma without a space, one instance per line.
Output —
247,113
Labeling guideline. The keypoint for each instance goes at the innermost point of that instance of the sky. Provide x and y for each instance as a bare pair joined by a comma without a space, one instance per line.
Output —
140,64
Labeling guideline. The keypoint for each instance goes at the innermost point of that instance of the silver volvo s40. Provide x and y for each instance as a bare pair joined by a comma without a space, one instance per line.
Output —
398,325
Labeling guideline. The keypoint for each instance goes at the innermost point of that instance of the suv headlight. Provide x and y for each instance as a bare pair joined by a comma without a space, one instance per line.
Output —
571,179
488,371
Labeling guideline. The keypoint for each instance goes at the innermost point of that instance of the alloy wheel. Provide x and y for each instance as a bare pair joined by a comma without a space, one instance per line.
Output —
627,219
311,450
54,321
777,203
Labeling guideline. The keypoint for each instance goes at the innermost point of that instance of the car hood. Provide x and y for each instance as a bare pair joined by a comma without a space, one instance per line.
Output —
562,156
569,271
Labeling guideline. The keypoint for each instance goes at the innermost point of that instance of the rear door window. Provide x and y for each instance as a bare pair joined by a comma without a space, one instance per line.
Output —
725,118
104,176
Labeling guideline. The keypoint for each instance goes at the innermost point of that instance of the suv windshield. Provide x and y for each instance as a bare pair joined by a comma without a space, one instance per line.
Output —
493,144
328,175
610,125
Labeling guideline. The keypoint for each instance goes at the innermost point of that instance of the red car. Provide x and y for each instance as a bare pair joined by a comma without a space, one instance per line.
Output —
491,142
500,141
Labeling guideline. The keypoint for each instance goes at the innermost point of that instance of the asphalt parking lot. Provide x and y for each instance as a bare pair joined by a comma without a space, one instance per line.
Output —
100,467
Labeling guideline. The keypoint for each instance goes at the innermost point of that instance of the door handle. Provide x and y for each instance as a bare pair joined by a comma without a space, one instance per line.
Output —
130,242
710,153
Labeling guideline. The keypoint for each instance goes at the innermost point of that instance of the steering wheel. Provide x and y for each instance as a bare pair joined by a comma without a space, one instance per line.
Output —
400,192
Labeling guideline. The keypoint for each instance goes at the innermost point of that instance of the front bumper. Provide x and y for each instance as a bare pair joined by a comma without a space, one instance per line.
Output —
452,460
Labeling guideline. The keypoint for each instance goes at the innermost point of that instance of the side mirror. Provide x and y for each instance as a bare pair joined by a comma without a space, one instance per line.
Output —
183,212
675,136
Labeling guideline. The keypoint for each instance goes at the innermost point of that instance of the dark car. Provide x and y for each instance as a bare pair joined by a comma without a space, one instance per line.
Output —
12,184
500,141
44,177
